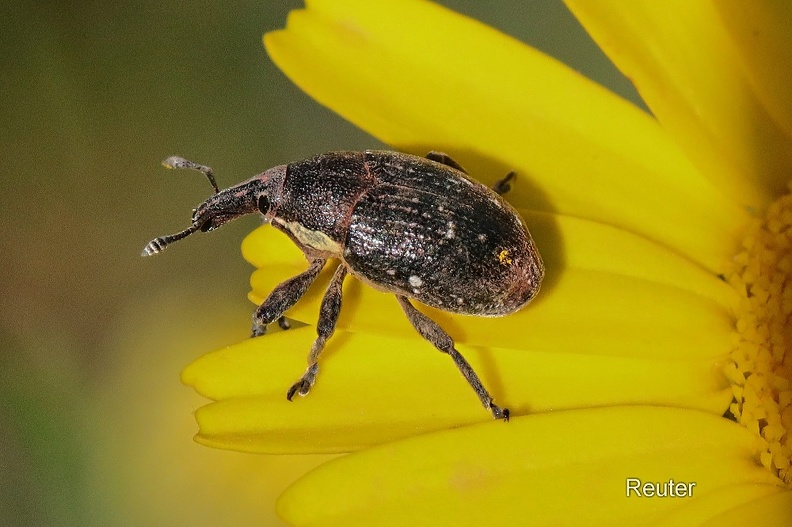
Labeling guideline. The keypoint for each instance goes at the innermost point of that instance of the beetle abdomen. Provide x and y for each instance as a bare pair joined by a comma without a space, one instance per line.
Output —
466,251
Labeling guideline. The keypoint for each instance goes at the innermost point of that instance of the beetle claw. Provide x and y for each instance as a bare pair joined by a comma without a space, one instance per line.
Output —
500,413
258,330
503,186
302,387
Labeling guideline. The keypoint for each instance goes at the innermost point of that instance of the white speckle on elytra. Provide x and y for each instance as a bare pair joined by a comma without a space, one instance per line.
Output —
460,300
415,281
451,233
416,291
482,237
440,208
390,272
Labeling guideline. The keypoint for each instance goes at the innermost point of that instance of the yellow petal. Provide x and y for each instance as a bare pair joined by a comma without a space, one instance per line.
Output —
717,508
772,510
761,31
532,468
141,464
687,69
498,105
373,389
634,300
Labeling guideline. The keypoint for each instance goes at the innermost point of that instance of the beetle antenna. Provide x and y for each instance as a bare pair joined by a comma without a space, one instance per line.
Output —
180,162
157,245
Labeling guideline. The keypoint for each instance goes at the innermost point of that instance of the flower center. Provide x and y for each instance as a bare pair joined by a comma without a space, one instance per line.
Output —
761,367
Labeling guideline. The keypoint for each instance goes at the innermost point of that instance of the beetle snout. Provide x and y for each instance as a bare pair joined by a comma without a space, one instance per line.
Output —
223,207
253,195
208,218
202,219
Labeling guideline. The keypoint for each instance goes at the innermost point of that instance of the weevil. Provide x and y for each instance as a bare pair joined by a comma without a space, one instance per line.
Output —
419,228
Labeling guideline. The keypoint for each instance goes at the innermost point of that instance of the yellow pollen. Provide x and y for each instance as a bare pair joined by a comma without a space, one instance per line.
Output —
503,257
761,367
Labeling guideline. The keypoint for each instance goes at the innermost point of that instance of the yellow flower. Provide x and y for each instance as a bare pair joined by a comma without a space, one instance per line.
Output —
666,302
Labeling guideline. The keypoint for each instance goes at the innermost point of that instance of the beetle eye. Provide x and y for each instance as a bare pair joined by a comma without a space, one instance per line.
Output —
207,226
263,204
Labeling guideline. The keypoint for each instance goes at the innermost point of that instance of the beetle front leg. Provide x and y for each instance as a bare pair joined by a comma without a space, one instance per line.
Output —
328,316
432,332
283,297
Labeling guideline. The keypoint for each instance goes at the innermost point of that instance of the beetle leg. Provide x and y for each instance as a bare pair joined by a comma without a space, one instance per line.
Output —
283,297
328,315
429,330
502,186
442,157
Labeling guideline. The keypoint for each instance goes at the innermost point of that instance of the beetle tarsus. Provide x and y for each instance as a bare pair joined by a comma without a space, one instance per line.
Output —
499,413
261,329
283,297
502,186
303,386
258,329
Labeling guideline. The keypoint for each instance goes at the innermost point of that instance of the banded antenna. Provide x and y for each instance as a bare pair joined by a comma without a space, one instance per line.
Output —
180,162
157,245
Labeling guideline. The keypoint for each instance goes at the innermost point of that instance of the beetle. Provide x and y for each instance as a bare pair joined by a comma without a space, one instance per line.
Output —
419,228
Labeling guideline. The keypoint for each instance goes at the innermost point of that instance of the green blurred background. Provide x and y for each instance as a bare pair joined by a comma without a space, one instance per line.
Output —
95,427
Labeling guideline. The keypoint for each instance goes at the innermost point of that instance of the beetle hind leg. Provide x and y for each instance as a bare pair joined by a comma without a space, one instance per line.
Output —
283,297
432,332
328,316
502,186
445,159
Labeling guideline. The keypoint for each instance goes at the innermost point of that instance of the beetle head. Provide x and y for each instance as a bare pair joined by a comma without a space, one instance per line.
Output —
260,193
